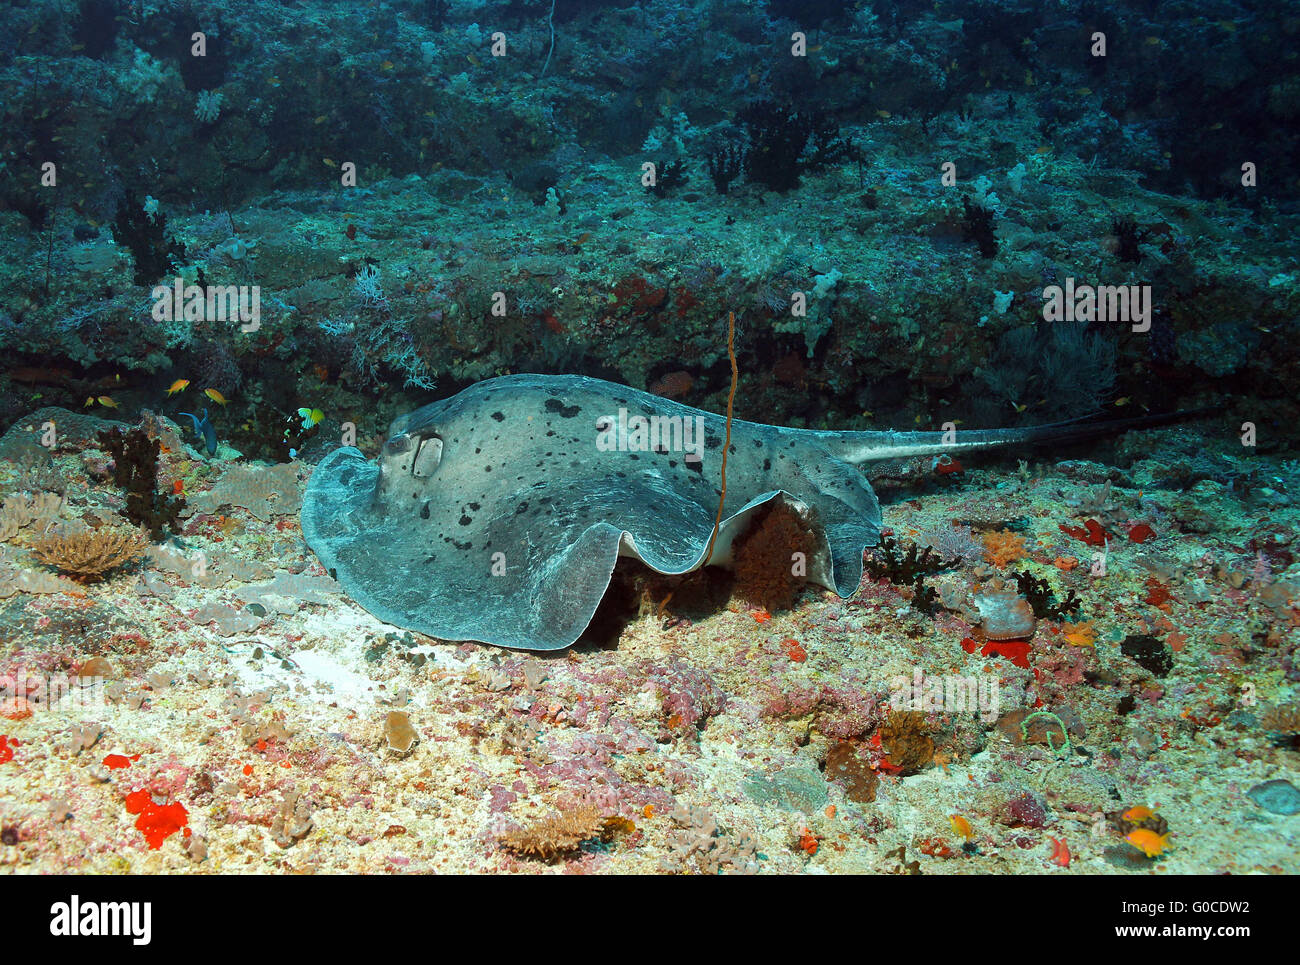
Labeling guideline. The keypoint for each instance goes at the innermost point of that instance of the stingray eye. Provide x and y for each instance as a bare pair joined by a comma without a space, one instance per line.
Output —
427,457
397,445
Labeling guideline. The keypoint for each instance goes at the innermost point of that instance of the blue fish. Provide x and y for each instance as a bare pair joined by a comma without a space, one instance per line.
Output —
204,428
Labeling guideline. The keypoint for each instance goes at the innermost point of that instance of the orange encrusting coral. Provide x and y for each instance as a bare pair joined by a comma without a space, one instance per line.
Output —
1003,547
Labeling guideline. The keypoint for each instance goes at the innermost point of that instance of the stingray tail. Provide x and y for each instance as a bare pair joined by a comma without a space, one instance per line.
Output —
864,447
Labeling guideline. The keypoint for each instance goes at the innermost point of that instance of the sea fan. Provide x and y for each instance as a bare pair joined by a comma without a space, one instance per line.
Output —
952,544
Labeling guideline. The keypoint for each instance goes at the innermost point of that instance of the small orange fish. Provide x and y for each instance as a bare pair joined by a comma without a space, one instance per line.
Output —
961,826
1148,842
180,385
1139,813
215,396
386,65
1060,852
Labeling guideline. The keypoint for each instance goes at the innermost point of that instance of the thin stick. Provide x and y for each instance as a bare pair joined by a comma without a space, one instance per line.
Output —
726,445
551,21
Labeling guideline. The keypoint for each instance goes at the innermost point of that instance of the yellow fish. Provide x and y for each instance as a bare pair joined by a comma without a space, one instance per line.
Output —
1139,813
960,826
215,396
90,400
107,401
180,385
310,417
1123,400
1148,842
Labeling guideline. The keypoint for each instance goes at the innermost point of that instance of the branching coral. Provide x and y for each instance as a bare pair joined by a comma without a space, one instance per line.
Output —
901,567
135,470
89,553
1044,603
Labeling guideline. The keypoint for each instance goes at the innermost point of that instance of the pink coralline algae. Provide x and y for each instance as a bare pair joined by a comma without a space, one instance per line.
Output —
1026,811
689,696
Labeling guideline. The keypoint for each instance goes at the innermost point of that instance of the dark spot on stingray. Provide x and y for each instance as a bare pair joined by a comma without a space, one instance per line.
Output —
424,511
660,450
487,468
499,416
696,467
429,559
620,474
546,499
565,411
767,464
466,520
573,464
550,432
477,450
521,508
462,546
633,455
347,475
732,450
475,506
758,443
548,456
672,463
415,495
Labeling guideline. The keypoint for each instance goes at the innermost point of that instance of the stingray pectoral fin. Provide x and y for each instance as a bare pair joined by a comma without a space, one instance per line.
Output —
406,576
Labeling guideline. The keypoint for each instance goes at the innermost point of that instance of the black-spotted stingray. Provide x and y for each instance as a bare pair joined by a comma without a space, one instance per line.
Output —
497,515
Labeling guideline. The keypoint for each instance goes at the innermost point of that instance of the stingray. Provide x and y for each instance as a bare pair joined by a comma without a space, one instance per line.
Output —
498,515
